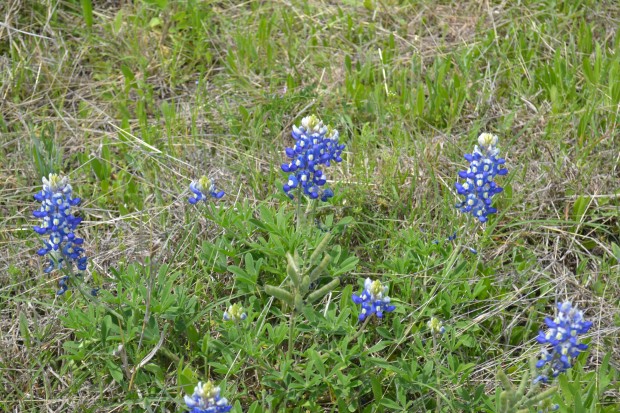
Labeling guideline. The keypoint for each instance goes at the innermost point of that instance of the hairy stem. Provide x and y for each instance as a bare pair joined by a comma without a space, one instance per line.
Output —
361,330
291,331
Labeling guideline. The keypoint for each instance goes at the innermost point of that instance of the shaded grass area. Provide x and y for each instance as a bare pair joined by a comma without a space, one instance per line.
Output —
155,94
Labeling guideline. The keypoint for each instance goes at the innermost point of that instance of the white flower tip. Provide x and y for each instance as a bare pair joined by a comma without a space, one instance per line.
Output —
487,140
312,123
190,402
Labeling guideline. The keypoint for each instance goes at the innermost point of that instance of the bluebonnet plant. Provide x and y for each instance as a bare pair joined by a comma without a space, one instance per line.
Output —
207,399
315,145
479,186
58,223
203,187
563,337
374,299
235,313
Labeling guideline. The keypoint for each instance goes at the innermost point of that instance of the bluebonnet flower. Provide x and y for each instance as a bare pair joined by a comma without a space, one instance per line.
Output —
62,284
207,399
546,406
479,186
436,326
449,239
374,299
562,336
203,187
58,223
315,145
235,313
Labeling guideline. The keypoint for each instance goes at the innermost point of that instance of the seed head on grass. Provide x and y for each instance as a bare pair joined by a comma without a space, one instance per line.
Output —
315,145
207,399
374,299
58,224
203,188
563,338
479,186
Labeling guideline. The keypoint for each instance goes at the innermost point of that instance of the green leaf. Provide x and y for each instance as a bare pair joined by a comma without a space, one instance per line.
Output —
377,389
481,286
465,340
154,22
347,63
129,77
390,404
242,275
117,23
159,3
105,328
378,347
87,12
580,207
156,370
318,362
23,329
115,371
615,249
187,379
345,266
255,408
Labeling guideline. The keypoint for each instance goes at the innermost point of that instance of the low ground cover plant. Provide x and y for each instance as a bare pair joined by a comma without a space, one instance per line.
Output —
265,207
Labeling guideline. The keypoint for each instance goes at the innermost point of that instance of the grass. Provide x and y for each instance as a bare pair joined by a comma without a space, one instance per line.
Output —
133,100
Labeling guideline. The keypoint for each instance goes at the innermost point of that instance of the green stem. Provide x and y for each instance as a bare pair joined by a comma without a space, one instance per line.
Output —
298,223
437,374
360,330
291,331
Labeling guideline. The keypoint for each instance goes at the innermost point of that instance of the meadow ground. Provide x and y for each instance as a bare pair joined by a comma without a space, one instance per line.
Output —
134,100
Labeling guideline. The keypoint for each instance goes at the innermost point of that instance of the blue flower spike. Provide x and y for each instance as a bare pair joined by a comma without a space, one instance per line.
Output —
202,189
561,340
479,186
316,145
58,224
235,313
436,326
374,300
207,399
546,406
